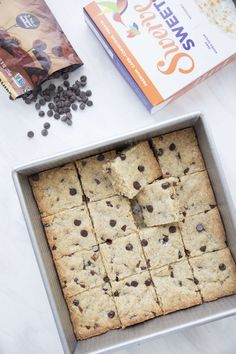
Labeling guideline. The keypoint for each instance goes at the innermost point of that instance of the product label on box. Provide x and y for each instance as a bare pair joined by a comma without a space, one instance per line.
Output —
167,45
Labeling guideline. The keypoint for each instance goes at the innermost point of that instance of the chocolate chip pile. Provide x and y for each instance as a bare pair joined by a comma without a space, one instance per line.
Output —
60,101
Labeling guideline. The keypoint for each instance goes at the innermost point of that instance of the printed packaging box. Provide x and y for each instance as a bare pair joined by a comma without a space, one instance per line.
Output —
163,48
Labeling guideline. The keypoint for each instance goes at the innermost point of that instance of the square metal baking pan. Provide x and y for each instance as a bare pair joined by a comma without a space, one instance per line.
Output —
151,329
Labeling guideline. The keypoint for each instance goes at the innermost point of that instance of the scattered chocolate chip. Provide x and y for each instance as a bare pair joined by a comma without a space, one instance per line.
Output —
129,247
54,248
180,283
44,132
74,107
42,102
124,227
83,78
76,302
196,281
46,125
88,93
84,233
186,171
160,152
89,103
180,255
37,106
106,279
50,113
108,241
41,114
134,283
116,293
97,181
141,168
57,116
172,274
187,253
76,280
144,243
148,282
112,223
172,147
122,156
66,83
165,239
165,185
30,134
222,266
200,228
73,191
150,208
65,76
77,222
203,249
172,229
111,314
136,185
82,106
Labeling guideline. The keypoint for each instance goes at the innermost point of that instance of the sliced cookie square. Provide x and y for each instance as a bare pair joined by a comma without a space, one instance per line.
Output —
195,194
135,299
178,153
203,233
158,202
69,231
93,312
175,287
162,245
112,218
215,273
81,271
96,184
123,257
57,189
133,169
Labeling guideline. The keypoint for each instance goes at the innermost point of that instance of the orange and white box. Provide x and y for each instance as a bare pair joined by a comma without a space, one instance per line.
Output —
163,48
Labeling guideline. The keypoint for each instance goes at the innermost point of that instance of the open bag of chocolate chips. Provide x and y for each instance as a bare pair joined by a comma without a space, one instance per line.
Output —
33,46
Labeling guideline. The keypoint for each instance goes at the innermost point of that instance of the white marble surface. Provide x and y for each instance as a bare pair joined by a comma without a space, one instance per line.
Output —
26,321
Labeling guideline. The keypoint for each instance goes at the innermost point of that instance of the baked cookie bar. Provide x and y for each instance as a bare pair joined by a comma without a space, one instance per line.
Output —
112,218
123,257
215,274
133,169
195,194
57,189
158,202
96,184
135,299
178,153
203,233
162,245
69,231
81,271
93,312
176,287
